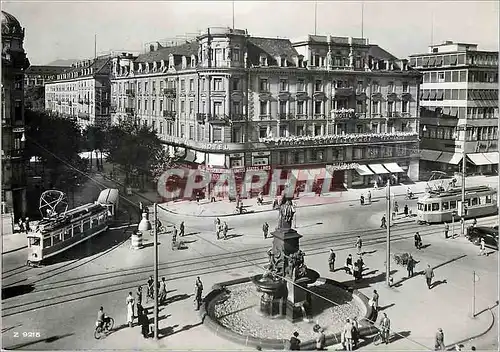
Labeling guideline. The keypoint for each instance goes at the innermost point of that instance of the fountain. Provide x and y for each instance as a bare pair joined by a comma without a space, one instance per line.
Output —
282,286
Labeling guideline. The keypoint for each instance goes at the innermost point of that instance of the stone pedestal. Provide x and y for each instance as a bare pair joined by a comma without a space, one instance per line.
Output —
286,241
296,304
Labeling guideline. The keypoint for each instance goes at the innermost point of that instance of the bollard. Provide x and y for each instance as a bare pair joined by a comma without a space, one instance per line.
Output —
137,240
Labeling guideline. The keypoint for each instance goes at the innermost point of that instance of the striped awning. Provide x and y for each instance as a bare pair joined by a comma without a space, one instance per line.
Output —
363,170
378,169
450,158
430,155
492,156
393,168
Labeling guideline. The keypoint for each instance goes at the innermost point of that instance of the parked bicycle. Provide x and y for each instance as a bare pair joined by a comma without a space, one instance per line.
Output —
104,329
378,339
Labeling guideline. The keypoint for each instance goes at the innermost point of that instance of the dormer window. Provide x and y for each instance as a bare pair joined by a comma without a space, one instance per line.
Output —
184,62
171,61
263,60
155,66
301,61
282,61
236,55
162,64
193,61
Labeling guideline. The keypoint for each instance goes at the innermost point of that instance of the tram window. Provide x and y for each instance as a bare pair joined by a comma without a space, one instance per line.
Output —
420,206
56,239
47,242
481,200
67,234
95,222
435,206
488,199
76,230
34,241
446,205
86,225
475,201
453,204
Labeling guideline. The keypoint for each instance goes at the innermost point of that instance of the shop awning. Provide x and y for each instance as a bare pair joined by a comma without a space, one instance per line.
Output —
492,156
363,170
393,167
450,158
216,159
190,156
478,159
200,158
309,174
430,155
378,169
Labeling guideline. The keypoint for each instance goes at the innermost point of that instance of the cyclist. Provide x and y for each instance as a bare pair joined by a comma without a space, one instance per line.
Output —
385,325
101,318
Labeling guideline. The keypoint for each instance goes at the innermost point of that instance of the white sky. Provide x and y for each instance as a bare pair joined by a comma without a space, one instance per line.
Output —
65,30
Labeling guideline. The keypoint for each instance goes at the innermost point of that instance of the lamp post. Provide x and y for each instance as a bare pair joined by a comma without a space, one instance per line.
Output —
464,163
144,227
388,237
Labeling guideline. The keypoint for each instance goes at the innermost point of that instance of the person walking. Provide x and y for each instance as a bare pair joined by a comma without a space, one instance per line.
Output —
374,300
295,342
130,309
396,208
385,325
405,210
358,268
348,264
418,241
217,228
225,229
139,301
355,332
439,343
265,229
383,222
446,230
198,292
174,234
162,292
348,335
482,247
181,229
331,260
409,266
143,321
319,337
359,244
28,229
429,274
151,282
370,196
21,225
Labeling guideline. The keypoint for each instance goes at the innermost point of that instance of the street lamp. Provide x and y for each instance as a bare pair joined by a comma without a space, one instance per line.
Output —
388,235
144,227
464,163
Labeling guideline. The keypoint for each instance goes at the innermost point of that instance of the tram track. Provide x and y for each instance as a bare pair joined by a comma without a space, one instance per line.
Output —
255,256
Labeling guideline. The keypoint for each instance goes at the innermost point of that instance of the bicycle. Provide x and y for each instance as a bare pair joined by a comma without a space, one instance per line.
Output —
377,340
105,329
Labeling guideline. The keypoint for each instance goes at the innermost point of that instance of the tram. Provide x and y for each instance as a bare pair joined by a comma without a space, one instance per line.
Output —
440,205
61,230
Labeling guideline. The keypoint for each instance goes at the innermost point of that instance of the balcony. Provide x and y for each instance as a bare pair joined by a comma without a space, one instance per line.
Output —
201,117
301,116
283,116
264,117
218,119
367,138
406,115
130,111
83,116
170,92
393,114
238,117
360,115
343,92
343,114
169,115
130,92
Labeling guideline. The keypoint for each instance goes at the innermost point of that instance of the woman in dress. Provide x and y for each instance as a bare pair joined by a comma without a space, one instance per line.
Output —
130,309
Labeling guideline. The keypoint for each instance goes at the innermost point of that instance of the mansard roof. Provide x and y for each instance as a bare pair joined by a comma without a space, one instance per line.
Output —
271,47
45,70
187,49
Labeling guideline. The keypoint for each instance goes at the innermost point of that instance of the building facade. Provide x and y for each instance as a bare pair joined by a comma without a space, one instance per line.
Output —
230,102
14,63
459,108
82,92
35,78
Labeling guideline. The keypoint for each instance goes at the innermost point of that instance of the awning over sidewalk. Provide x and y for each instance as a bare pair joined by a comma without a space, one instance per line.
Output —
378,169
216,159
450,158
200,158
309,174
363,170
482,158
190,156
430,155
393,167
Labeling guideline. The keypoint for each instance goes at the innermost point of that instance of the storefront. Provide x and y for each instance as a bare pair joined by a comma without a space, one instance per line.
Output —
486,163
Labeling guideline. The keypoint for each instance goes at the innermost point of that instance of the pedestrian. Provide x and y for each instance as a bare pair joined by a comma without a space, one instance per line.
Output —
358,268
348,335
370,195
217,227
409,266
198,197
439,344
225,229
174,234
383,222
362,200
21,225
355,332
28,229
429,274
181,229
405,210
348,264
474,222
385,325
359,244
139,301
331,260
162,294
130,309
320,337
482,246
265,229
446,229
198,292
374,300
396,207
418,241
143,321
295,342
150,288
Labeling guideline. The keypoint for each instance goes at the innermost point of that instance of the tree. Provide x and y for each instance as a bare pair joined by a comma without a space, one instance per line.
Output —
94,139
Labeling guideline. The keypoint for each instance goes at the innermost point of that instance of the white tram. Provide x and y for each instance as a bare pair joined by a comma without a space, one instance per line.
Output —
438,206
56,233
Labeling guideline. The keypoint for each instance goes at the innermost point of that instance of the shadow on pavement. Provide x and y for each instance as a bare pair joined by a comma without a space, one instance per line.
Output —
425,246
438,282
18,290
47,340
369,252
191,234
176,298
399,335
233,235
170,330
386,307
367,281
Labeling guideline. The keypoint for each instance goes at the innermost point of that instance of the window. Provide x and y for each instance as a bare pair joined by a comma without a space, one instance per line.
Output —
488,199
153,105
183,107
301,85
191,108
263,61
153,87
375,87
453,204
317,107
161,127
475,201
318,86
262,132
360,86
454,76
183,85
282,107
447,94
300,107
263,85
191,85
236,84
146,88
375,107
435,206
283,85
236,107
47,242
440,76
191,132
183,130
217,134
161,105
154,125
145,105
405,87
283,158
217,108
218,84
404,106
236,54
390,87
263,107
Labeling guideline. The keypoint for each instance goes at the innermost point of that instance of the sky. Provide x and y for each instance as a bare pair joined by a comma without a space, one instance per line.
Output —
66,30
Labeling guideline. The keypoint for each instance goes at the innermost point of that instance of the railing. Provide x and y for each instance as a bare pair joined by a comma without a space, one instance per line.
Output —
282,116
393,114
86,102
301,116
405,115
319,116
340,139
170,92
218,119
360,115
344,91
264,117
238,117
169,115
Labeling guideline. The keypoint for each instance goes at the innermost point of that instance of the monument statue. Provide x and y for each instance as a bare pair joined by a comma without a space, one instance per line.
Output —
329,61
286,215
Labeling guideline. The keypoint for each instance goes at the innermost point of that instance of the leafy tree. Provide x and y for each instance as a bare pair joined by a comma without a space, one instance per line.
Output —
94,139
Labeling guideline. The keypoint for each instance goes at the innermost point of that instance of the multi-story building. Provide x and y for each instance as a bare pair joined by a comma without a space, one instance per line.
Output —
459,108
232,102
34,79
14,63
82,92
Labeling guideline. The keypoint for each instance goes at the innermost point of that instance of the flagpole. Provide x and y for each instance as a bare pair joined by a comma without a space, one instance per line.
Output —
233,14
315,16
362,18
